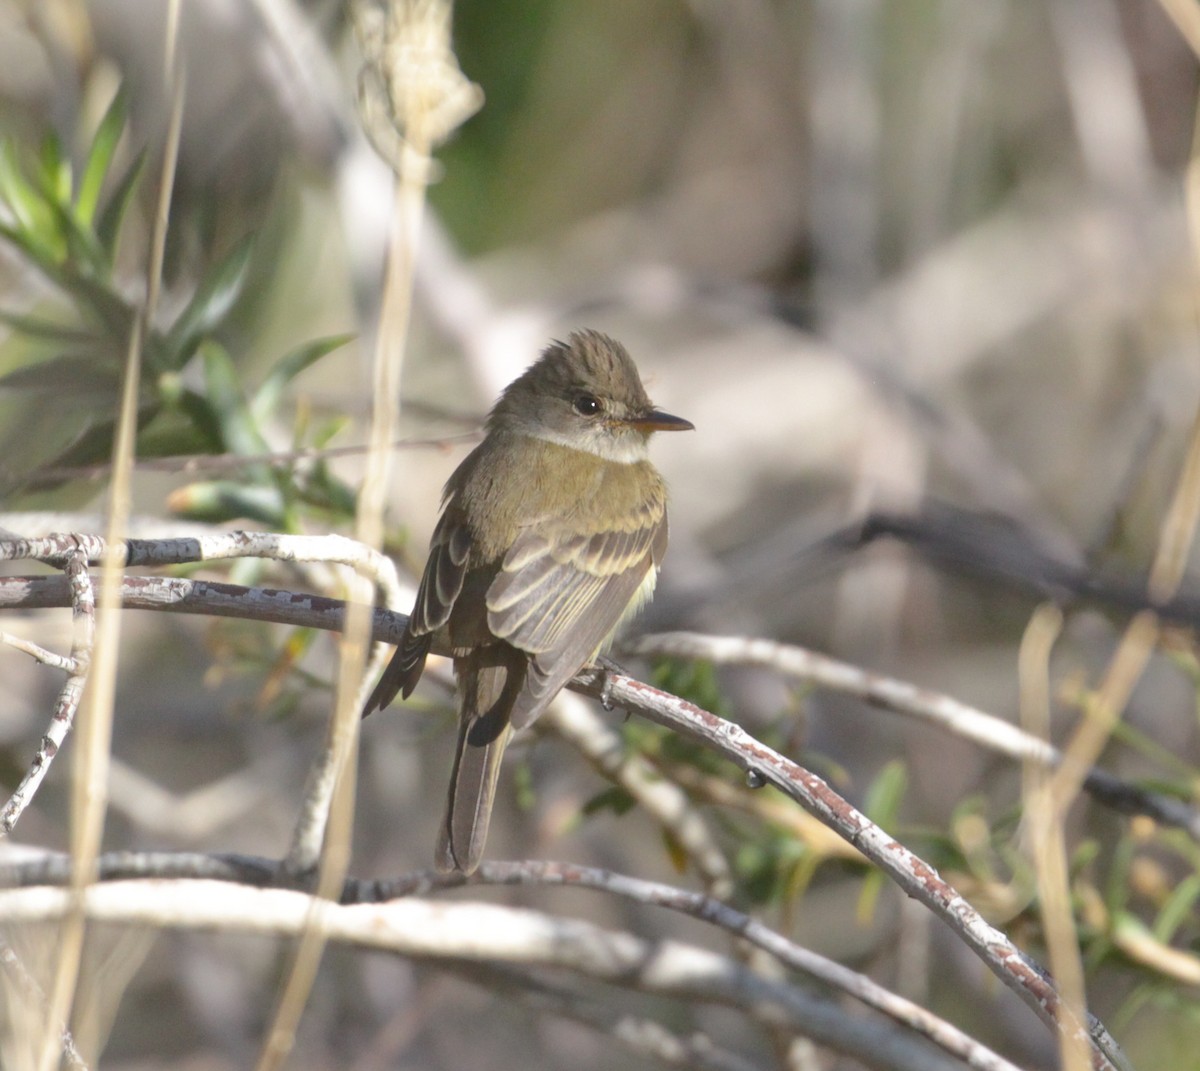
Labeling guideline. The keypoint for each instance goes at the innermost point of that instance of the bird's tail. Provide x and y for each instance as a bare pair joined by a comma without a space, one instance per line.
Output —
489,681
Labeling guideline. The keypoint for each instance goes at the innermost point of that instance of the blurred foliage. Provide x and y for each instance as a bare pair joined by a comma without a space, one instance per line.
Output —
64,362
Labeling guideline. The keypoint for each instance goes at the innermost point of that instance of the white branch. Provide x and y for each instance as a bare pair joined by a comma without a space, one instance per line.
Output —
476,932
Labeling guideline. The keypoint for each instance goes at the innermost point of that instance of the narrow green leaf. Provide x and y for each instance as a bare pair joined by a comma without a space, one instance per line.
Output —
266,398
81,244
614,799
45,259
99,159
203,419
224,500
54,174
326,491
1117,890
92,446
108,229
1180,907
239,433
210,304
36,327
14,190
108,306
883,798
67,374
868,897
170,437
34,221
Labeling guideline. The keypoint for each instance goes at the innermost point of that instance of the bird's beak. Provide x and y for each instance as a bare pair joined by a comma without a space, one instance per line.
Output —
656,420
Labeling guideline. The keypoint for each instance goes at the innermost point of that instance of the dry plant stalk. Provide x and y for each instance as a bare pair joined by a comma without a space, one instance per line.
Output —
91,754
412,96
1045,826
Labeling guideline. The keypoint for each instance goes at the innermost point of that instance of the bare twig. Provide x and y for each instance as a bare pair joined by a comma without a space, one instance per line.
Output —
83,612
642,1036
47,658
931,707
1186,19
205,597
192,464
32,995
484,933
708,909
214,546
602,746
912,874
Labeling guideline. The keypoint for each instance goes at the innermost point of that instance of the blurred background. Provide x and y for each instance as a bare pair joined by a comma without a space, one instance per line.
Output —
929,260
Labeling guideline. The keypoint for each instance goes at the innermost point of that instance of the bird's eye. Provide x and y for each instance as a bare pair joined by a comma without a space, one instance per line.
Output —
587,405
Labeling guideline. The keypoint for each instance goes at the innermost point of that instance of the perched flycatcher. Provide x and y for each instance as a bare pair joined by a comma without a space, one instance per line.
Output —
552,532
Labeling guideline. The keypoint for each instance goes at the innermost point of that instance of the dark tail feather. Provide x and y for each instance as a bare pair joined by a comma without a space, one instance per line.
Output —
488,683
402,673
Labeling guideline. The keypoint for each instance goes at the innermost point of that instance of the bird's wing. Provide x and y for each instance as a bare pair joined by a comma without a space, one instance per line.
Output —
445,570
559,599
441,583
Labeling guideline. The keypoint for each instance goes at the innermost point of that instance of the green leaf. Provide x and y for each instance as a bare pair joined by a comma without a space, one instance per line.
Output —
1117,890
325,490
34,229
883,798
66,374
692,680
15,191
614,799
54,173
223,500
109,227
211,303
239,432
81,245
109,307
1178,908
48,330
99,159
868,897
92,446
266,398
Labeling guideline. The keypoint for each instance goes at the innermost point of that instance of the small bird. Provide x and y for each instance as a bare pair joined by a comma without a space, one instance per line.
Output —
552,532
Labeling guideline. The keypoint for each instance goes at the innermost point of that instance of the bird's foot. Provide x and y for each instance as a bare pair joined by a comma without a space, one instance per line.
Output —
607,668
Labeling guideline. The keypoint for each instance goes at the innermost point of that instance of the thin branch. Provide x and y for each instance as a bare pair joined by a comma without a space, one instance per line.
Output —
599,742
483,933
932,708
711,910
35,997
911,873
192,464
216,546
642,1036
207,598
47,658
83,612
908,871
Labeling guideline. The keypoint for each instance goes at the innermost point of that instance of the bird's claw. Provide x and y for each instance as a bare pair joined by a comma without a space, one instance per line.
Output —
607,668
